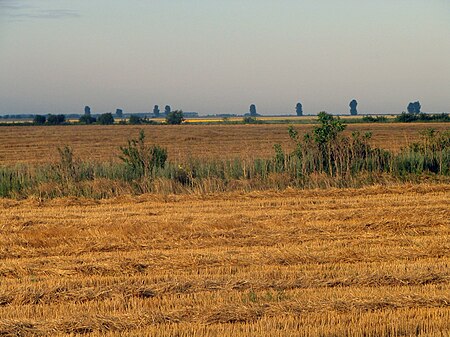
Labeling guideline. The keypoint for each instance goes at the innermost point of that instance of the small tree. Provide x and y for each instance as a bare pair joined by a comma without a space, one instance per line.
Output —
253,112
56,119
326,149
119,113
414,107
328,130
39,120
105,119
353,107
135,120
87,119
143,159
167,110
175,117
87,110
156,111
299,109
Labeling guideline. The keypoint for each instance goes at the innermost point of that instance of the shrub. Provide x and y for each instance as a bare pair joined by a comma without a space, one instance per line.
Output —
406,118
105,119
326,150
329,128
376,119
39,120
250,120
145,120
422,117
56,119
175,117
141,159
87,119
135,120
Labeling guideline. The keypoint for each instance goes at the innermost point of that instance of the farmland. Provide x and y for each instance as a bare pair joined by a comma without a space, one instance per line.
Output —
354,262
36,144
239,248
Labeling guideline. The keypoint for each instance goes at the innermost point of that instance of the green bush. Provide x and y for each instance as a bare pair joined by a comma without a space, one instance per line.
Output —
141,159
56,119
374,119
39,120
328,130
135,120
422,117
105,119
250,120
87,119
175,117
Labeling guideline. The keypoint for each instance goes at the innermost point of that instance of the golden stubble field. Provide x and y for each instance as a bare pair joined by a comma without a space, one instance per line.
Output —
356,262
38,144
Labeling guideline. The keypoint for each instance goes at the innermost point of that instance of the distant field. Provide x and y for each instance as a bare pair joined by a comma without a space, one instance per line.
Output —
37,144
367,262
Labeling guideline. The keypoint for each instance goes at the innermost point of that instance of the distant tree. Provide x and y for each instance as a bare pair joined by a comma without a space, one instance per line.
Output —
39,120
135,120
410,108
119,113
56,119
175,117
253,112
299,109
353,105
87,119
414,107
87,110
156,111
167,110
105,119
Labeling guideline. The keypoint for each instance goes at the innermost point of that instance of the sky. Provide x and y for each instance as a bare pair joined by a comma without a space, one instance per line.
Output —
220,56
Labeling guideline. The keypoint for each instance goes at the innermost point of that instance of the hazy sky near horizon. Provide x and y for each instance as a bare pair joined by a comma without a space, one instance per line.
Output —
219,56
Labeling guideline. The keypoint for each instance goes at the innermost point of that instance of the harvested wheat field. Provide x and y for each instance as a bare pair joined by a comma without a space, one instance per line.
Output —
356,262
38,144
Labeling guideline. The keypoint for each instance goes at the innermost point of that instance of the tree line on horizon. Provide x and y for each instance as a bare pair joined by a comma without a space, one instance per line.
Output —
413,113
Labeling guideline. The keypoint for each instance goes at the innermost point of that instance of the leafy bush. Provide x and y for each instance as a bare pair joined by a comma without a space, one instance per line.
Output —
141,159
326,150
422,117
175,117
87,119
406,118
105,119
39,120
149,121
250,120
56,119
329,128
135,120
376,119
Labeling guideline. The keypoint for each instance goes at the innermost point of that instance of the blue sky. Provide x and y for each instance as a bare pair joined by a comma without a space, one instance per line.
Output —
219,56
